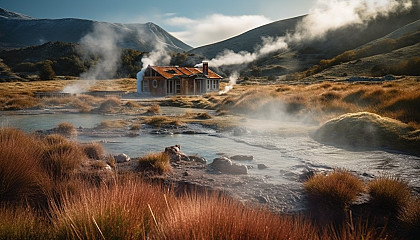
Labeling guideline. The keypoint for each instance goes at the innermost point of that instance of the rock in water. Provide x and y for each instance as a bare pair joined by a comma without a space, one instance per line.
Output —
225,165
122,158
366,130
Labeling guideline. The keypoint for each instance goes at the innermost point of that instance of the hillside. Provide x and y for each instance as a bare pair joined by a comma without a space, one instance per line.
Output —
304,54
23,31
247,41
396,53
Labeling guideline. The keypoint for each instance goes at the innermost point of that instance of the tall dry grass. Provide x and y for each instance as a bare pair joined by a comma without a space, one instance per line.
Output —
22,222
122,211
20,171
215,217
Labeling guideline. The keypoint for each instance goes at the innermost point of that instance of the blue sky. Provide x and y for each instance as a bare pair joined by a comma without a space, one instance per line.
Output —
194,22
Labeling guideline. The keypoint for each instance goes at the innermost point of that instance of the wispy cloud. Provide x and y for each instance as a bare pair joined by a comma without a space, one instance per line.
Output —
213,28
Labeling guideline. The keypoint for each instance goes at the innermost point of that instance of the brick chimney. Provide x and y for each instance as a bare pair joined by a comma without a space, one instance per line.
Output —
205,68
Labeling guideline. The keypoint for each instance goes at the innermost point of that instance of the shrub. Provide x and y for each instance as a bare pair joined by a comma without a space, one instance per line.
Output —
154,162
46,71
336,189
153,109
93,150
388,194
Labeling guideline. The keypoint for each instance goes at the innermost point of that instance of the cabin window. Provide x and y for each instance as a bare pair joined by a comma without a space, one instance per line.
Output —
214,84
155,83
208,84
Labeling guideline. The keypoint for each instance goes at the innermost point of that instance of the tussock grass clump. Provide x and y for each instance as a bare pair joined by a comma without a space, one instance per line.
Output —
157,121
119,123
19,103
135,127
154,162
122,211
61,160
65,128
20,172
82,106
336,190
132,104
203,115
388,194
110,105
93,150
153,109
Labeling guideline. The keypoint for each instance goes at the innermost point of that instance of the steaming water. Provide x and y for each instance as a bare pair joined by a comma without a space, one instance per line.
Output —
285,148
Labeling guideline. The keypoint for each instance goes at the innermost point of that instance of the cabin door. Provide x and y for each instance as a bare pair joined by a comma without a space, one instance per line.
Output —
170,88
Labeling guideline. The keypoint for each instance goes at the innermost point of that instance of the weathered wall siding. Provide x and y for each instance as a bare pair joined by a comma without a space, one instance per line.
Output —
160,89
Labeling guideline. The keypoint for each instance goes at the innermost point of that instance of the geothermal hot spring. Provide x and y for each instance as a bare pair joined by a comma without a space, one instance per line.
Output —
285,147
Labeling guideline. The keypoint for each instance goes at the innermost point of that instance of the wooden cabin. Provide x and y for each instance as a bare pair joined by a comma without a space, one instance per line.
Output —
173,80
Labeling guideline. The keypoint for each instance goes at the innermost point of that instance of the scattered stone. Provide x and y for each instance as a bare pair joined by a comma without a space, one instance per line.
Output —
242,157
239,131
185,174
161,132
121,158
175,154
261,166
197,159
225,165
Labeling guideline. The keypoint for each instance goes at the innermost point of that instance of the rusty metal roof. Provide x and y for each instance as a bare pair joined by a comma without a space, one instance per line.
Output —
173,71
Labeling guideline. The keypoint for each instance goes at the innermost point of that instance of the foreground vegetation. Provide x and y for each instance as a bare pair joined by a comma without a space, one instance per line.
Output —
53,188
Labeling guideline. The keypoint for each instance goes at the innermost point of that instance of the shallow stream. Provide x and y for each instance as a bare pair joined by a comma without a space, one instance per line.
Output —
285,147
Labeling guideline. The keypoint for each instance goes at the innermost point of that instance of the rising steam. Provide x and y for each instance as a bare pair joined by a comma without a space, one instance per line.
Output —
325,16
101,42
159,56
232,81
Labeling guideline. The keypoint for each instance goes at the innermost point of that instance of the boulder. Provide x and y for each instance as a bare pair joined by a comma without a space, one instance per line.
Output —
242,157
122,158
225,165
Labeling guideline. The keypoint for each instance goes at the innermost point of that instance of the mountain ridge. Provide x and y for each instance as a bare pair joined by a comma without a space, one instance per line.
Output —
24,31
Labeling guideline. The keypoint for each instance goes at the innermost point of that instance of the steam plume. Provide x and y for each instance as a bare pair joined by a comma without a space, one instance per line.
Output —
232,81
325,16
159,56
101,42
